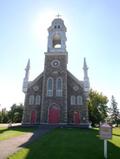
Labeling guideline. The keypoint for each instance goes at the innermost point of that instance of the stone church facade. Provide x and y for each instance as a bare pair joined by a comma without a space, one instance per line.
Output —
56,96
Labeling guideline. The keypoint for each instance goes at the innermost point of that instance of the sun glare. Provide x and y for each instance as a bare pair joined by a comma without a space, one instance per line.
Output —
42,22
40,25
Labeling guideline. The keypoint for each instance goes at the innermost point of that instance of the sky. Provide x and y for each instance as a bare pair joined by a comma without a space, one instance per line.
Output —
93,31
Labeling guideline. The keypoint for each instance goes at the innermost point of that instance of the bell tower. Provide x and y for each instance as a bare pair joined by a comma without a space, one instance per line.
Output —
54,97
57,36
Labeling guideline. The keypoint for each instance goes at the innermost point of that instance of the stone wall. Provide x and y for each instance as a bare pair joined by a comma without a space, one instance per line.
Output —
35,88
55,72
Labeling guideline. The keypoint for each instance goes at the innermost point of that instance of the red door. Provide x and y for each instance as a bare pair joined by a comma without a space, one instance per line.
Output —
54,115
33,117
76,117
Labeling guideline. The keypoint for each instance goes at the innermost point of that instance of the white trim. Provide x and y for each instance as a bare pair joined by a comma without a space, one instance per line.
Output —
56,53
50,91
37,100
72,100
79,100
57,65
59,92
31,100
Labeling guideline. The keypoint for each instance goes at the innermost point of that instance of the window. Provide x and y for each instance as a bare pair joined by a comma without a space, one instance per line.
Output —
73,100
59,87
31,99
58,26
79,100
50,87
37,100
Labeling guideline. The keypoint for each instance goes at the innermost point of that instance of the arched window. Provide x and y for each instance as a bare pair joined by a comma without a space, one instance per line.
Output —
50,87
79,100
73,100
59,87
31,99
56,41
37,100
58,26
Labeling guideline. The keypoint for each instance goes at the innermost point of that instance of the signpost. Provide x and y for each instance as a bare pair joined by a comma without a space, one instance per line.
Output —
105,133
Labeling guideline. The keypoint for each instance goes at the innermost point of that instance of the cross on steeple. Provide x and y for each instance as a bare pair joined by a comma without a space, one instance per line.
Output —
58,15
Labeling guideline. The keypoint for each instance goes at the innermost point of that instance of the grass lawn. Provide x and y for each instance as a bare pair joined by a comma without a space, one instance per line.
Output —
66,143
6,133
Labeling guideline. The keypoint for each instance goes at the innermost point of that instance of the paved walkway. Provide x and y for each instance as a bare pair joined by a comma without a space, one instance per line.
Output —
10,146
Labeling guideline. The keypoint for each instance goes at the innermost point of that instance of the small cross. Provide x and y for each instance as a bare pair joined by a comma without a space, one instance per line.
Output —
58,15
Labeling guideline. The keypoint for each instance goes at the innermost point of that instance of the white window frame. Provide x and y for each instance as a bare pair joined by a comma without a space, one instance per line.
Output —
37,100
59,91
31,99
73,100
79,100
50,91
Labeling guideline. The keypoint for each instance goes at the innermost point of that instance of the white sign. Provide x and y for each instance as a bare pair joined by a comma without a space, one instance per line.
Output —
105,131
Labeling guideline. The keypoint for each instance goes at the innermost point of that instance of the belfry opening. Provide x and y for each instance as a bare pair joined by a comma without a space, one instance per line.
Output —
56,41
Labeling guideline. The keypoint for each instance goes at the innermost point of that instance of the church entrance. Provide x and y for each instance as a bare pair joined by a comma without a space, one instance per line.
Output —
76,117
33,117
54,115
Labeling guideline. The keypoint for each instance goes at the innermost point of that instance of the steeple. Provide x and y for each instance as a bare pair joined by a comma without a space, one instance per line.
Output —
26,78
57,36
86,78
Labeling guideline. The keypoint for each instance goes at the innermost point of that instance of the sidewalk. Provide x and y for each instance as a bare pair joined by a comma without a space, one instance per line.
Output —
10,146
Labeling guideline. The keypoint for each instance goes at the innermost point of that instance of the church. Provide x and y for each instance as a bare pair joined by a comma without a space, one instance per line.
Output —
56,96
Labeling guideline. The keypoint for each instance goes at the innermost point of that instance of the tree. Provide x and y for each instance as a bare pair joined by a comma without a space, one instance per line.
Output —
3,116
114,111
15,114
97,106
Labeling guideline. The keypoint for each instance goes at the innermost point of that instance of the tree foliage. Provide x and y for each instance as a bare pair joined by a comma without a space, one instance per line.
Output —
114,111
14,115
97,106
3,116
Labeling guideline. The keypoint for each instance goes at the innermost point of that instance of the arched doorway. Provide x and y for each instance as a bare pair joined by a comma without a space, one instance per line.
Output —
76,117
54,115
33,117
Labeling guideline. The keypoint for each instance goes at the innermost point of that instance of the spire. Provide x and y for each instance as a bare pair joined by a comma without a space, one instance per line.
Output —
85,68
86,78
85,65
26,78
27,69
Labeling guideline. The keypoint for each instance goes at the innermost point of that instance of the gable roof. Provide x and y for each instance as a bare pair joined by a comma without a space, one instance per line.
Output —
80,83
31,83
